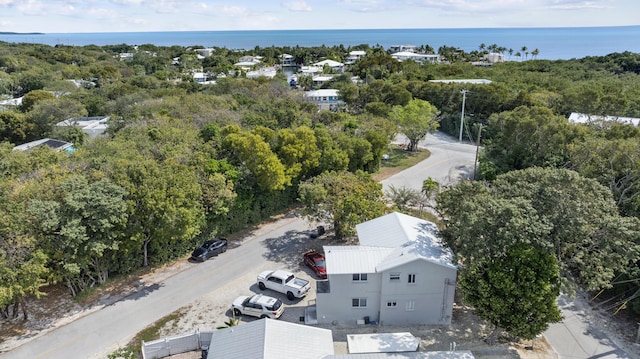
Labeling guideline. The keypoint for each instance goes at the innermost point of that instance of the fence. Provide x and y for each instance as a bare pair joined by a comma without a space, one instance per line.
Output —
176,345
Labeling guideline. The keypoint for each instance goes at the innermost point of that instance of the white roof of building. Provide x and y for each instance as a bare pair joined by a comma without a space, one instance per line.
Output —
465,81
271,339
322,92
461,354
410,238
357,53
323,77
576,117
331,63
412,54
55,144
382,343
354,259
12,102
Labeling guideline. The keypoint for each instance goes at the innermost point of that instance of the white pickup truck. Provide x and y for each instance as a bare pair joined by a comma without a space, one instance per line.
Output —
284,282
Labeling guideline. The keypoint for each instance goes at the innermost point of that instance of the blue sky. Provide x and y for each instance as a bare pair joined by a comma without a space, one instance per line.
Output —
64,16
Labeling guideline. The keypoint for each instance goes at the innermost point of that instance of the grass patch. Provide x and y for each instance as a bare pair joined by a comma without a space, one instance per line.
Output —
152,332
399,160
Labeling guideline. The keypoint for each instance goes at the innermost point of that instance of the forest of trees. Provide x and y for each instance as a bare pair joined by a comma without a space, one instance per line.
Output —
184,161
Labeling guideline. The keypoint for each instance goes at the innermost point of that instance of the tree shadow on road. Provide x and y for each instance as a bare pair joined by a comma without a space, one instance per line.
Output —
288,249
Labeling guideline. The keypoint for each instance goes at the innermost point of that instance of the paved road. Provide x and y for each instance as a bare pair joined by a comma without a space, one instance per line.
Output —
450,162
117,323
576,337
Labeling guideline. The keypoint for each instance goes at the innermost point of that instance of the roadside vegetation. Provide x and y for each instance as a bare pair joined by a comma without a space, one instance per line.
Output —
183,161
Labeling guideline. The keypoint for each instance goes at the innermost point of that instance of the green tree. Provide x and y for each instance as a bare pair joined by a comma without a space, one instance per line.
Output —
46,113
82,226
415,120
35,96
164,206
254,153
13,127
569,216
297,151
343,199
515,292
522,138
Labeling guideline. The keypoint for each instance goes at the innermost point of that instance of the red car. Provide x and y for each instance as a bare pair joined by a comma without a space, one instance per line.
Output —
316,262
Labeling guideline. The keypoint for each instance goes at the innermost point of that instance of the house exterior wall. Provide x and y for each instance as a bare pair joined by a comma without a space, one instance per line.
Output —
337,304
429,300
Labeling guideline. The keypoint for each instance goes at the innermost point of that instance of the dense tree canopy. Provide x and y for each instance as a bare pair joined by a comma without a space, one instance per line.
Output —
192,161
569,216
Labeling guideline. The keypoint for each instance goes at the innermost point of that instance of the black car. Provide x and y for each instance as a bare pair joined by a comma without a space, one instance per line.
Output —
210,248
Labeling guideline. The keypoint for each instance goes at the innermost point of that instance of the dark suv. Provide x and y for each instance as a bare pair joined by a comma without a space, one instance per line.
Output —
210,248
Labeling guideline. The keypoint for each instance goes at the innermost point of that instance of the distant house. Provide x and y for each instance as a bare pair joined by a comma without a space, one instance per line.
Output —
464,81
326,99
354,56
493,57
205,52
268,72
11,102
319,80
419,58
203,78
271,339
247,63
576,117
287,60
126,56
48,142
402,48
401,273
92,126
334,65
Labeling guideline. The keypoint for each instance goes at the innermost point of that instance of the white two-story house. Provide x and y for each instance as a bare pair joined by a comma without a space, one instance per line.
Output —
401,273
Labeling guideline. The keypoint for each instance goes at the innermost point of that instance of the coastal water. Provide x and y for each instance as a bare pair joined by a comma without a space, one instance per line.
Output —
551,43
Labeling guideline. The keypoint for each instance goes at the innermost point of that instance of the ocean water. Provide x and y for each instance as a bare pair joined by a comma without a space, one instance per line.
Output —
551,43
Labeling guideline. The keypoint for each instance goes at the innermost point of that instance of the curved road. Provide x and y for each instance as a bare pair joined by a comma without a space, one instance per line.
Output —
97,332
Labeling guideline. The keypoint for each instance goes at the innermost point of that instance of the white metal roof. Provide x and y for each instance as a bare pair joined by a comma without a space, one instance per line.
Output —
331,63
465,81
576,117
411,238
382,343
271,339
322,93
462,354
354,259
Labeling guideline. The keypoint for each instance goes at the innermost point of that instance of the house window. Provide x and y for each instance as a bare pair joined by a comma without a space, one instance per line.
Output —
410,305
360,277
394,276
411,279
359,302
392,304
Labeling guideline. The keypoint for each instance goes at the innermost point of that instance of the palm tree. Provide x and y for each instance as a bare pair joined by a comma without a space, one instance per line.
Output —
510,51
524,50
482,47
535,53
232,322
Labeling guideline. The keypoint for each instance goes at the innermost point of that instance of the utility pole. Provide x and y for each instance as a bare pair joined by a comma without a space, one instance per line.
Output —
475,163
464,97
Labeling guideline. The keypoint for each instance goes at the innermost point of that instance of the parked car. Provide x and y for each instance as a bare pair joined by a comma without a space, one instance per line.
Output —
258,305
315,261
284,282
209,248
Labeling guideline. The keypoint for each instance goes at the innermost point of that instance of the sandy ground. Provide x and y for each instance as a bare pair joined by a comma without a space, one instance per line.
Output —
212,310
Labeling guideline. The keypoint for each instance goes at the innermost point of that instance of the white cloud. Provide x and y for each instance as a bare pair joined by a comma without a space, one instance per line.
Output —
300,5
